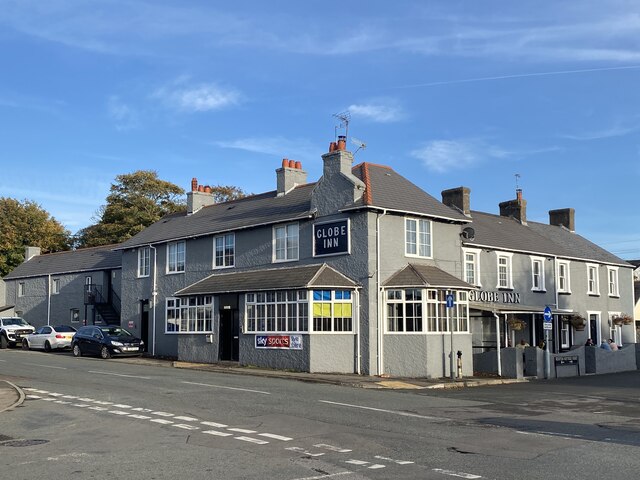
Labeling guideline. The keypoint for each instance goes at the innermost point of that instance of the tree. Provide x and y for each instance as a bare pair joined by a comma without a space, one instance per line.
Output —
27,224
226,193
136,200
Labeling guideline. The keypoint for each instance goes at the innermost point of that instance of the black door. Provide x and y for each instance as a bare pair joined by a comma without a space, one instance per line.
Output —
229,335
144,323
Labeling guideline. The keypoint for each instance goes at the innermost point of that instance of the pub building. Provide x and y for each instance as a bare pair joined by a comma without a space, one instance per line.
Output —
360,272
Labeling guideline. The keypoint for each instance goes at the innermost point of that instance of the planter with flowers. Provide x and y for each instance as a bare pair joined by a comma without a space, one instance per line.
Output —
516,324
578,322
622,319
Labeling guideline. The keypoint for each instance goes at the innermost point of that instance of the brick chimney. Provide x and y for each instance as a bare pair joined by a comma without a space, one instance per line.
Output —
515,208
563,217
458,198
199,196
30,252
289,176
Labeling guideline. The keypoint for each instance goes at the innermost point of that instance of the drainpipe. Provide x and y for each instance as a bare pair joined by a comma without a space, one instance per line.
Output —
154,294
49,300
358,357
498,344
379,296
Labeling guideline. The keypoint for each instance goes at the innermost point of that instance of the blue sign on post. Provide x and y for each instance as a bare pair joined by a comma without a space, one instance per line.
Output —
449,300
548,316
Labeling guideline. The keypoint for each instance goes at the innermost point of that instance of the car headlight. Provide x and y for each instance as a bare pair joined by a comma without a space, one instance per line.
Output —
141,342
117,344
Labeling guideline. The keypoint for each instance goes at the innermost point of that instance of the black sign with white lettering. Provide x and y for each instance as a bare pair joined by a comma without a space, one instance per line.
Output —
331,238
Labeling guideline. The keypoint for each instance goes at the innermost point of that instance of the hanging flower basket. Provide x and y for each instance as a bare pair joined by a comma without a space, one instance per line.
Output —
516,324
622,319
578,322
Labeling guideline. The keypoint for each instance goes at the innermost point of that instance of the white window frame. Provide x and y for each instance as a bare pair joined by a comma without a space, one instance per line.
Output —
596,280
277,312
288,237
598,320
174,269
333,321
55,286
565,335
423,239
541,287
476,264
224,239
567,277
189,314
144,262
613,284
21,289
615,331
509,257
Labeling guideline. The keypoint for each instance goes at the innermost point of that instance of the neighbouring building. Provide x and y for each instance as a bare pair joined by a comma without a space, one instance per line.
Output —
5,310
74,287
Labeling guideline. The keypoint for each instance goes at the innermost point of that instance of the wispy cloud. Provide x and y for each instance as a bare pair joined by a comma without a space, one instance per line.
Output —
379,111
203,97
445,155
616,130
280,146
124,116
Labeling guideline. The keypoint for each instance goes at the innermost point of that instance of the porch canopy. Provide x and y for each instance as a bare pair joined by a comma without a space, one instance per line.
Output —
291,278
415,275
501,308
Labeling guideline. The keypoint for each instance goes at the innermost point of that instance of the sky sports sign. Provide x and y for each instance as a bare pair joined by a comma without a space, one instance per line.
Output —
284,342
331,238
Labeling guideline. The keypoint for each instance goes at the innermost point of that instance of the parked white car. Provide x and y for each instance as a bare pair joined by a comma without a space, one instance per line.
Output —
50,337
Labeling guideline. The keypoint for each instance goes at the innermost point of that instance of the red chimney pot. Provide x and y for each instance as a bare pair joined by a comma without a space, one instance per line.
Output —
201,188
299,165
285,162
342,142
333,146
194,184
292,164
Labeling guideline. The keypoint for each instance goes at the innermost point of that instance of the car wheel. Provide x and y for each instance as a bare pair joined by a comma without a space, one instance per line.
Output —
47,346
3,341
105,353
76,350
25,344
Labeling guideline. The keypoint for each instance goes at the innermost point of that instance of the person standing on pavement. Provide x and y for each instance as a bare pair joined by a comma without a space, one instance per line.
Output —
605,345
613,345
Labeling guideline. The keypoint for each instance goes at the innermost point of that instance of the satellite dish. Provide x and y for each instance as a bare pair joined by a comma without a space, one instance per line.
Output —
468,233
361,145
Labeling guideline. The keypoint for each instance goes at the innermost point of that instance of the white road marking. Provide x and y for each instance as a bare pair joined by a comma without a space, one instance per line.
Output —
101,403
55,394
33,397
140,417
241,430
332,448
98,409
80,405
275,437
456,474
119,374
395,412
338,474
31,390
140,409
186,427
219,434
306,452
118,412
252,440
46,366
399,462
357,462
62,402
565,436
214,424
186,419
49,399
119,405
161,421
163,414
91,400
228,388
376,466
70,397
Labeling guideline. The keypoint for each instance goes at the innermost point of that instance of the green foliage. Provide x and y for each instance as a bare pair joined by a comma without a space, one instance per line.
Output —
226,193
136,200
26,224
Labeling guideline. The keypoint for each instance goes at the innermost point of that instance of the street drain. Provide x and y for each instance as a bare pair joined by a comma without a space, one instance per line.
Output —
22,443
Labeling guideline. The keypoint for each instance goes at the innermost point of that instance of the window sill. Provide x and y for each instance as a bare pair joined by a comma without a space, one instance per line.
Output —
412,255
286,261
567,292
592,294
175,273
614,296
538,290
226,267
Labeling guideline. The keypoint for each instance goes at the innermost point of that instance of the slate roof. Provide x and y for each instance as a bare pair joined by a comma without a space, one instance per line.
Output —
389,190
289,278
384,189
415,275
495,231
72,261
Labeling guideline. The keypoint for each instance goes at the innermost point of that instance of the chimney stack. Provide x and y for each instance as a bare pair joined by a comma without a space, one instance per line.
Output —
199,196
30,252
563,217
289,176
458,198
515,208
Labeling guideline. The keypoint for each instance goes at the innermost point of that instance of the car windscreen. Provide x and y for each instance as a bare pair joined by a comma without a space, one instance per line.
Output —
115,332
15,321
64,328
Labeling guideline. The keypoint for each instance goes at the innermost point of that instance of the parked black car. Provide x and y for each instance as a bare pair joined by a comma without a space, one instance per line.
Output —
106,341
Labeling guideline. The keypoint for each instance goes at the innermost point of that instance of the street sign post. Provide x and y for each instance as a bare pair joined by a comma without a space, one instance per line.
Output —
450,305
547,316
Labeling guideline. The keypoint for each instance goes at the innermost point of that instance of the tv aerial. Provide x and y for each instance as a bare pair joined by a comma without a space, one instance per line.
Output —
361,145
345,118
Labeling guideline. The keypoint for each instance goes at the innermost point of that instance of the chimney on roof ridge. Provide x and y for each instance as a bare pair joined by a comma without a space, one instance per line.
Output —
563,217
30,252
458,198
199,196
289,176
515,208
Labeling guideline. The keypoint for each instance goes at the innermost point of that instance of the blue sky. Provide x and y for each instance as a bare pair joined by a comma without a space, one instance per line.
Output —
448,93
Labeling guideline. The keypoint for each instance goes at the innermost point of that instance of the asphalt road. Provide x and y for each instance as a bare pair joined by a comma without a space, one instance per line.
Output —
90,418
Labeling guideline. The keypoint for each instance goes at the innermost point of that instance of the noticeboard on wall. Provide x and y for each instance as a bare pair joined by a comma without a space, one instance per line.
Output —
286,342
331,238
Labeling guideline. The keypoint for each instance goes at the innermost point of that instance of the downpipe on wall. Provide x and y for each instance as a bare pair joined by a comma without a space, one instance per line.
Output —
154,294
380,296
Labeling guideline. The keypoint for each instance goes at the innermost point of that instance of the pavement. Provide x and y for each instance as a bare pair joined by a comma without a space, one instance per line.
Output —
11,396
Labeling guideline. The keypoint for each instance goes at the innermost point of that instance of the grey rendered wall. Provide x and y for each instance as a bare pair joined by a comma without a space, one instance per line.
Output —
297,360
71,296
3,293
332,353
599,360
33,304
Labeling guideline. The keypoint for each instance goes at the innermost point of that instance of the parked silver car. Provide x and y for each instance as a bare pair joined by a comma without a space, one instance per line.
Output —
50,337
